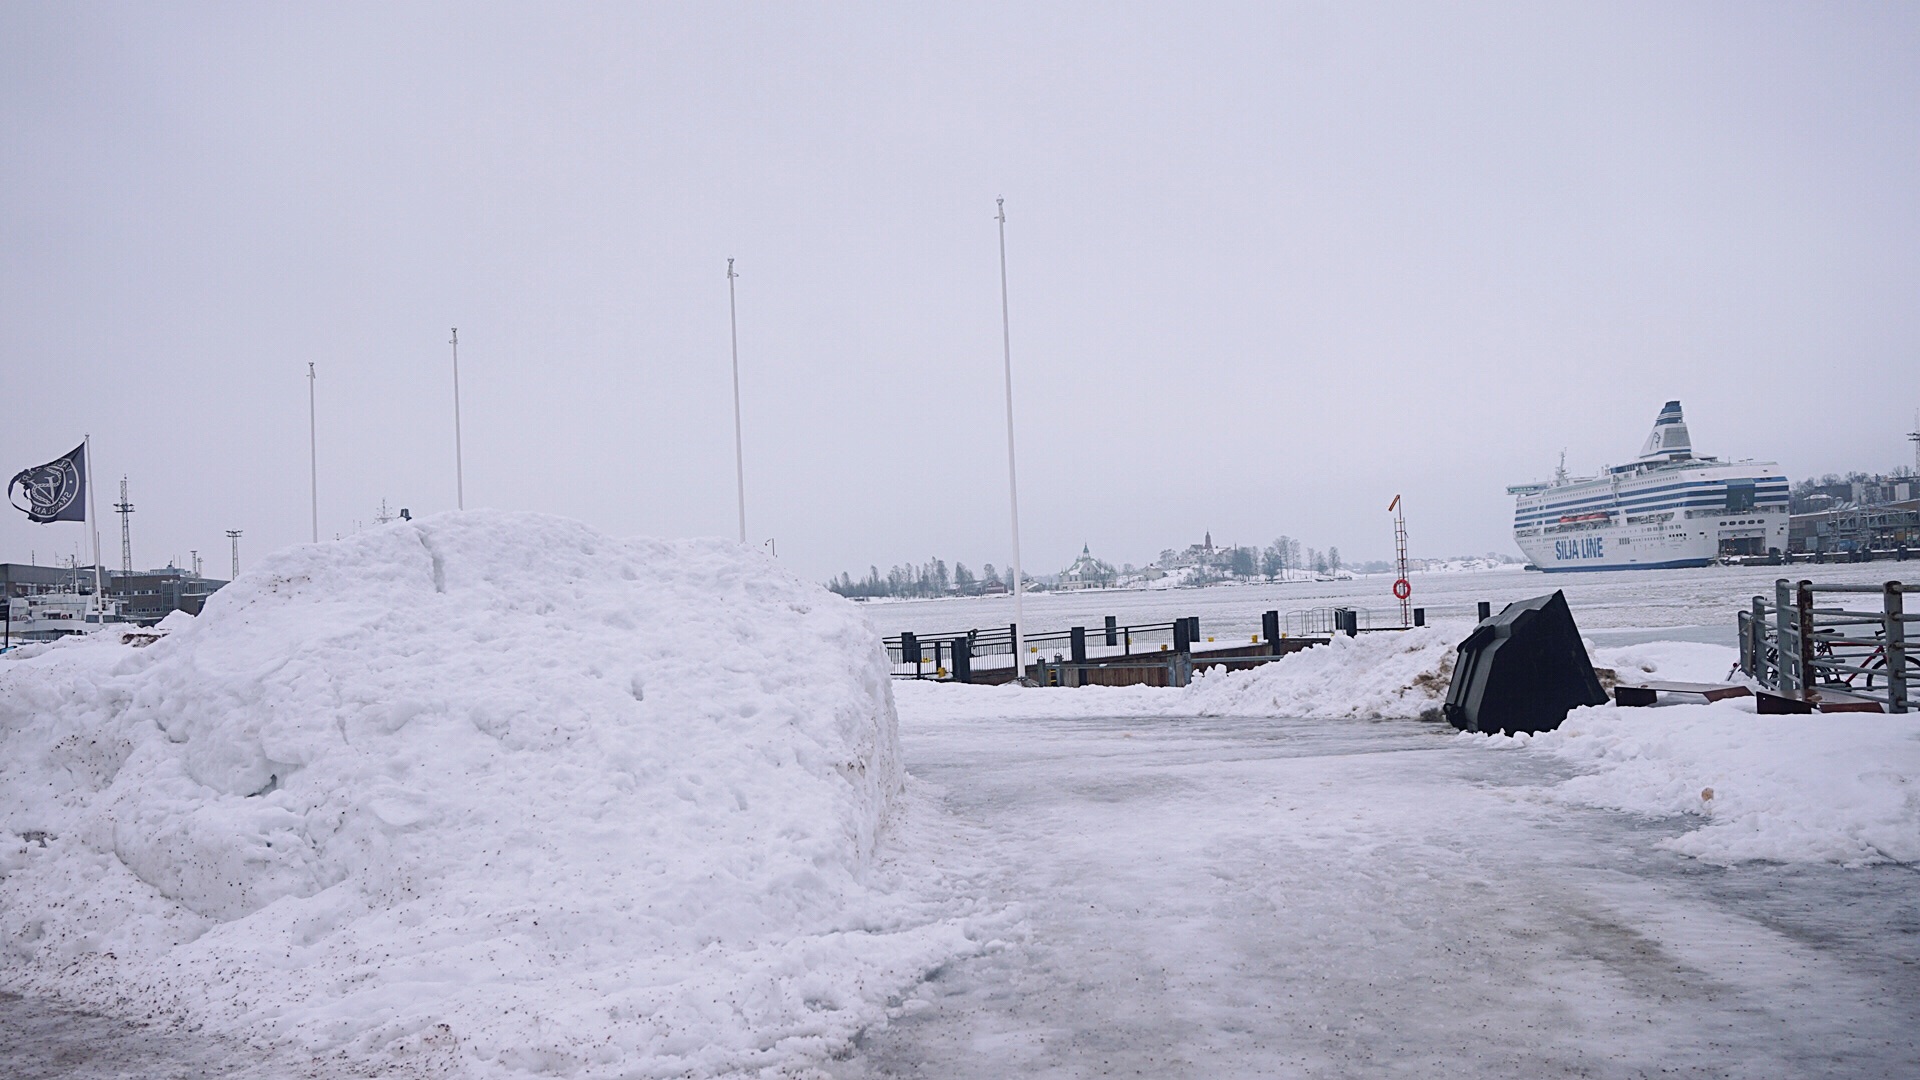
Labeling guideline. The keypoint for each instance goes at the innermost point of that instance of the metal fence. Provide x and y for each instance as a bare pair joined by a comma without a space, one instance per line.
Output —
1815,640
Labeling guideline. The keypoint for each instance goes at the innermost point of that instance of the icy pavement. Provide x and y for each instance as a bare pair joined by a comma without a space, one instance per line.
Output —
1248,897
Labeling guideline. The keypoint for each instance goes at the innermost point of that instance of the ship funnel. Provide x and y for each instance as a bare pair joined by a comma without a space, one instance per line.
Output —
1668,441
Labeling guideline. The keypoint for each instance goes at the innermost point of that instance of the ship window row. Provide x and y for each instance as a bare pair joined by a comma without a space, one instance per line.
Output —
1768,486
1705,506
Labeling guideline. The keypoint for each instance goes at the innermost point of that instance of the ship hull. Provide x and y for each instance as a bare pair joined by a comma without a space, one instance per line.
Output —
1658,519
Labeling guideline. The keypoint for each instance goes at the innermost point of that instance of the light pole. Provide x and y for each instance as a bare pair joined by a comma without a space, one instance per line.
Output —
1013,482
234,535
313,454
739,455
459,463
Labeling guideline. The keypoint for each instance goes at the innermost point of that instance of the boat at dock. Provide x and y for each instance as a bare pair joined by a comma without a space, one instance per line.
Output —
1668,508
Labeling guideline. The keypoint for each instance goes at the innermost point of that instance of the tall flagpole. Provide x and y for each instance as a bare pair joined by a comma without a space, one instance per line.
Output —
1013,484
739,456
313,454
459,462
93,526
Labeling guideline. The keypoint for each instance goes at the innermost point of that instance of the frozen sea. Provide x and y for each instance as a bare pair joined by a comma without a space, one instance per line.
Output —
1612,608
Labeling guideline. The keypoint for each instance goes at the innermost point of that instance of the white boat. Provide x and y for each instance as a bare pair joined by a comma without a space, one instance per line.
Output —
1668,508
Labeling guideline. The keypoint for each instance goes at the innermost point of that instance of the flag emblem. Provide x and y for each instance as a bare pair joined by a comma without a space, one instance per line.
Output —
55,491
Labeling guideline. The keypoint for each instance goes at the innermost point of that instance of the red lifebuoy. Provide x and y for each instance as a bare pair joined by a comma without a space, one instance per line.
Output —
1402,589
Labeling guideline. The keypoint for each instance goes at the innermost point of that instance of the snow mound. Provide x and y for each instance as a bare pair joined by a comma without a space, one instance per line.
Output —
1373,676
490,793
1837,788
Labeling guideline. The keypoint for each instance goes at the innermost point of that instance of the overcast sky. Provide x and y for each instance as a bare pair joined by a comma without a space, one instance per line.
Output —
1269,264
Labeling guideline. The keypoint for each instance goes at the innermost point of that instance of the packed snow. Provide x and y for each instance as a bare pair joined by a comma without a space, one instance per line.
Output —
488,793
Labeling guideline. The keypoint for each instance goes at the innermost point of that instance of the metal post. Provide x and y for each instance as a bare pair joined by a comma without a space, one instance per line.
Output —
234,535
459,458
1113,637
1182,636
1757,643
1077,648
962,660
313,442
739,454
1785,659
1896,649
1803,604
1013,485
1486,611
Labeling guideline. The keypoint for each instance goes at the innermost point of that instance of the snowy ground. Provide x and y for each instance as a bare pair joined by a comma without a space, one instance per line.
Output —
1212,897
1277,872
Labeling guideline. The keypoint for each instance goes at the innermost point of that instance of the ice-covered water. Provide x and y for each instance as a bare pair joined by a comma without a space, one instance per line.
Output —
1612,608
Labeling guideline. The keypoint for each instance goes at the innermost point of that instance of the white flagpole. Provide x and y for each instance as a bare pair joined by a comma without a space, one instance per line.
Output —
459,462
739,455
313,454
93,526
1013,484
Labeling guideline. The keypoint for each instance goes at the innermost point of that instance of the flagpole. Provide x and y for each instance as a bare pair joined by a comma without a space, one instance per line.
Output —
739,455
459,461
1013,485
93,526
313,454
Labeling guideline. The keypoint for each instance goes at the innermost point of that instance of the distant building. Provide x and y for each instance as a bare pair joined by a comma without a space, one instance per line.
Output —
147,596
52,597
1850,528
1087,572
1202,554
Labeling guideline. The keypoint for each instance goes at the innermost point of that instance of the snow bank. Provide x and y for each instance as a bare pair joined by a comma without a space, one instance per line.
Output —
485,793
1403,674
1841,788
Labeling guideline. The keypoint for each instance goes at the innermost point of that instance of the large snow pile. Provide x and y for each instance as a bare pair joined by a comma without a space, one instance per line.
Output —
1372,676
483,794
1842,788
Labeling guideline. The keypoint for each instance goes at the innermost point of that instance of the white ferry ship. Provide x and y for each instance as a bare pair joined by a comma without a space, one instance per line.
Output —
1668,508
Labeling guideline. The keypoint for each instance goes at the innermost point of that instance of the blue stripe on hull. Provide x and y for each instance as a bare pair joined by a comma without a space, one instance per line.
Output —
1677,564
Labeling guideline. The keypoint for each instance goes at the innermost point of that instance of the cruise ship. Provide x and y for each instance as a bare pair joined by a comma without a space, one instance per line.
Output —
1668,508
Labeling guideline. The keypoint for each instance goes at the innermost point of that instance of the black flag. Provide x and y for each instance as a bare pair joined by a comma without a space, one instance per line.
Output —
56,491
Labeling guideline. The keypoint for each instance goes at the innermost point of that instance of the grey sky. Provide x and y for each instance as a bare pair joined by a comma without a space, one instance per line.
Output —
1270,264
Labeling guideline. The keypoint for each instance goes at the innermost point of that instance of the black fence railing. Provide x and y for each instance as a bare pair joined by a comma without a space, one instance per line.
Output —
953,655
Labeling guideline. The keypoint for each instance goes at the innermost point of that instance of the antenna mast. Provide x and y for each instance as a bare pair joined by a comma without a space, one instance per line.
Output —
124,509
1914,438
1402,588
234,535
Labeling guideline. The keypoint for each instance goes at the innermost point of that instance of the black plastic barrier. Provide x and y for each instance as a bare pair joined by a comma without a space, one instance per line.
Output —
1522,670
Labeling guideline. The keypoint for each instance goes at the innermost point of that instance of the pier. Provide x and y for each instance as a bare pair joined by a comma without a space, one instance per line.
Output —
1111,654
